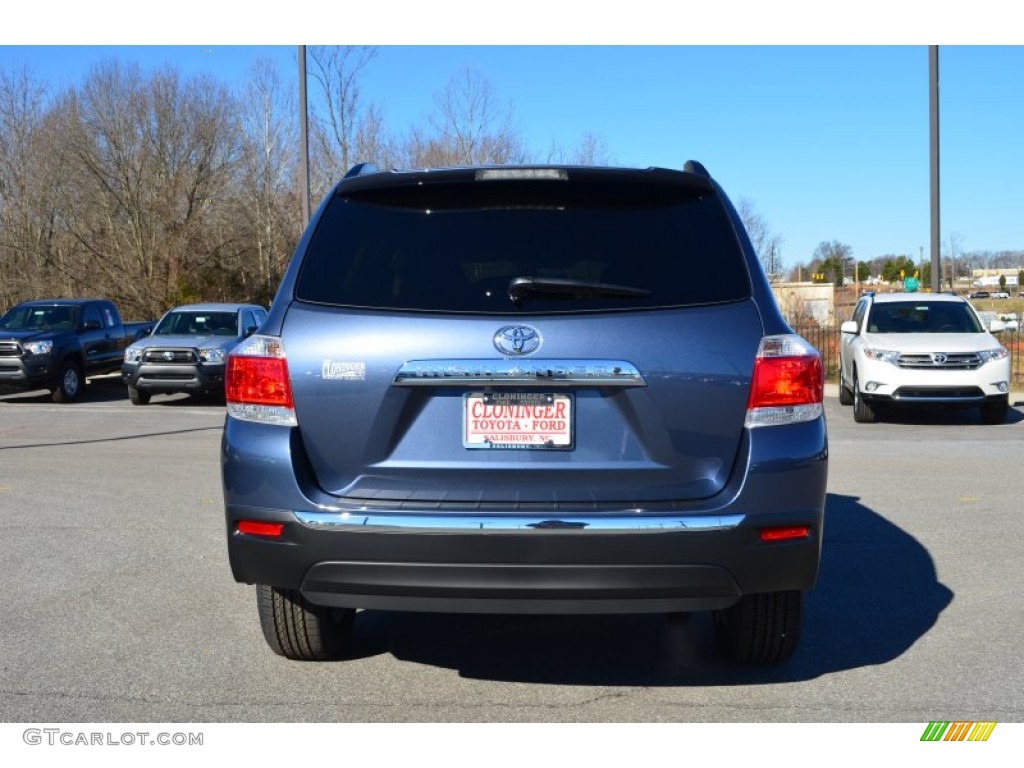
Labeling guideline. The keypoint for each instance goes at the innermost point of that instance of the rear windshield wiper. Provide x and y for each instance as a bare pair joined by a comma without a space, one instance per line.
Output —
561,288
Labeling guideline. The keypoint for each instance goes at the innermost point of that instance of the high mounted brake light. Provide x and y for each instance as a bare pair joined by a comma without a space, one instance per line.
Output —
256,383
788,383
521,174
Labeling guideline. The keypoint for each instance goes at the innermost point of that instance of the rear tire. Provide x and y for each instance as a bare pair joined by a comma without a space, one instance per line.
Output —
761,629
138,397
994,411
299,630
863,413
69,383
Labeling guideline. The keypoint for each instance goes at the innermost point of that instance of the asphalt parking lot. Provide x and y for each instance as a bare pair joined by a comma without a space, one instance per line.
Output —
119,605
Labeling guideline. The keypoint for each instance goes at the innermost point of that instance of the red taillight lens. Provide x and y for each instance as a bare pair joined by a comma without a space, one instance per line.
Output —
260,528
786,533
786,381
257,381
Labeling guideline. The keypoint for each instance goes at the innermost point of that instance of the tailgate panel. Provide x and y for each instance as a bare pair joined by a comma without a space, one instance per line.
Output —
670,433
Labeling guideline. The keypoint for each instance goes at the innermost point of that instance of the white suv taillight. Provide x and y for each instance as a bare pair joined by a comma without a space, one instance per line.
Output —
256,384
788,382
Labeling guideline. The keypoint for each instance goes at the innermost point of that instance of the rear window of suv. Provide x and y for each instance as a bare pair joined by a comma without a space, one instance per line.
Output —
455,247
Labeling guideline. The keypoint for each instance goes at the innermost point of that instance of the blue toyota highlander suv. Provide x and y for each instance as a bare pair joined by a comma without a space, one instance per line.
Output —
525,390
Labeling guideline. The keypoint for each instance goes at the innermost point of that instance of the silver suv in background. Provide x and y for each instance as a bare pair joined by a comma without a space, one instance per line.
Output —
525,390
187,350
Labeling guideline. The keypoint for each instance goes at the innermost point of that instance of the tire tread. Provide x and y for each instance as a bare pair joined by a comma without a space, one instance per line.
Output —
297,629
761,628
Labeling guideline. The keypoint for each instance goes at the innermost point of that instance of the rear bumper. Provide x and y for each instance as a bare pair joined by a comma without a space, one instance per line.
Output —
539,571
671,557
558,589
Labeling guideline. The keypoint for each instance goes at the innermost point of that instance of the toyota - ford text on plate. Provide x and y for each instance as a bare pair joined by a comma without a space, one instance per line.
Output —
525,390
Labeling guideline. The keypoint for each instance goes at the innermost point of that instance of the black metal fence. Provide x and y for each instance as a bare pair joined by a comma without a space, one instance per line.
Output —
826,339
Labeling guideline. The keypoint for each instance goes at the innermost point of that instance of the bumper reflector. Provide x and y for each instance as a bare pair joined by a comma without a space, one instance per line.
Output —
259,528
785,534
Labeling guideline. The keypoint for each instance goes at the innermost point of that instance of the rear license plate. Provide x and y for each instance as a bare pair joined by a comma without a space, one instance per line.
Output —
530,420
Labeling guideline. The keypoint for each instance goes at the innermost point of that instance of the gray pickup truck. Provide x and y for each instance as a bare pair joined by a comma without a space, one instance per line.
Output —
187,350
57,344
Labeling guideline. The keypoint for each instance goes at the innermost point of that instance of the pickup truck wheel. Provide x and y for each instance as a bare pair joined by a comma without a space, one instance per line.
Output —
297,629
138,397
863,413
994,411
761,629
69,383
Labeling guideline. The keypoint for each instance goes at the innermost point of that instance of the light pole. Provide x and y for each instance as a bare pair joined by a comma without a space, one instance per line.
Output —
304,135
933,103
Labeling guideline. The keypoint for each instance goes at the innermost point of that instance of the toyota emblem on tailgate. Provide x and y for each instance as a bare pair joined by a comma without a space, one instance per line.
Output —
517,340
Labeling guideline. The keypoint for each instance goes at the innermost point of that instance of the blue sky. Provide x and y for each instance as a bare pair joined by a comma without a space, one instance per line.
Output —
829,142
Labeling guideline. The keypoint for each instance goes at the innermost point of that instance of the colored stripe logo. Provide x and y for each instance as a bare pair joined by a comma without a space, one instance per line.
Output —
958,731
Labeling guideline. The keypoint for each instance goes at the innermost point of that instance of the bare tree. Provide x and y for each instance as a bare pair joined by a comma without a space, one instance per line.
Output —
767,244
346,130
267,199
592,150
470,127
18,111
952,258
28,185
156,158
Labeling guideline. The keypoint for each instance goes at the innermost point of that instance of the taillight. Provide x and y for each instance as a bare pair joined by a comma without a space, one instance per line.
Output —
256,384
788,382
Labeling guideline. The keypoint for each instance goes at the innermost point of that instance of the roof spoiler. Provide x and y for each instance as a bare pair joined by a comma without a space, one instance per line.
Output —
360,169
692,166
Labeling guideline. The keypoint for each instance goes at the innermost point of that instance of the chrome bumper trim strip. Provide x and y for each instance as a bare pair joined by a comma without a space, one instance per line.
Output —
542,524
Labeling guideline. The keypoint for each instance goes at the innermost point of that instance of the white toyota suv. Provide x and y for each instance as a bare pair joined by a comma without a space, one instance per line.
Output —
912,349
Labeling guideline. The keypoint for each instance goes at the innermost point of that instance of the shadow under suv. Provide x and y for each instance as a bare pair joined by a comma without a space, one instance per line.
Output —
525,390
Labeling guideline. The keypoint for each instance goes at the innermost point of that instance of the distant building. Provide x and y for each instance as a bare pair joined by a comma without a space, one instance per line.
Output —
989,278
806,302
